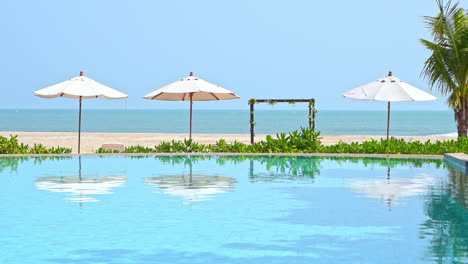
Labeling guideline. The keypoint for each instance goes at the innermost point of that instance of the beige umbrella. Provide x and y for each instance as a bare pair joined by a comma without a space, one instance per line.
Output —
80,87
191,89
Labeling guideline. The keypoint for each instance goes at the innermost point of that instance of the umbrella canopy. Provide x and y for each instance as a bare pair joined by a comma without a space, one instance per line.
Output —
191,89
80,87
389,89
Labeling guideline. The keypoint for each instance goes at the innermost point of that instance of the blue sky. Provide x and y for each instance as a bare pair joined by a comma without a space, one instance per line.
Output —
258,49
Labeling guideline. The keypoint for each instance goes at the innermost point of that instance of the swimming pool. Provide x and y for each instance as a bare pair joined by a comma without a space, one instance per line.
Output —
231,209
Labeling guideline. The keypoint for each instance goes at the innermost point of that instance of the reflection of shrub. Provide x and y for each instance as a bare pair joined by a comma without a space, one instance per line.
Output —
12,146
279,167
13,162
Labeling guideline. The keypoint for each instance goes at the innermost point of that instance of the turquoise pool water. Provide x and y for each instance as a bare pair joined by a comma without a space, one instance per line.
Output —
233,209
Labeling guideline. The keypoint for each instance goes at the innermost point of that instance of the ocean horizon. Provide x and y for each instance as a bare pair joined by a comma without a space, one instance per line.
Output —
328,122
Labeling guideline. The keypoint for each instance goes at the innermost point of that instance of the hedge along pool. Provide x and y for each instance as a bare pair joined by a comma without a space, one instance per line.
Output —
231,209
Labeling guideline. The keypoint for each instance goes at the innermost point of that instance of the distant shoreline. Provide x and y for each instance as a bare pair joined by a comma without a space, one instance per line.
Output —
90,142
329,122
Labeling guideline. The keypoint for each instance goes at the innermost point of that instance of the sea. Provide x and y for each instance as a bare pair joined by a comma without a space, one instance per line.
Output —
329,122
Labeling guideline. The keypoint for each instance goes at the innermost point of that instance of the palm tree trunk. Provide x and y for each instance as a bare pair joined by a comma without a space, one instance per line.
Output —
461,116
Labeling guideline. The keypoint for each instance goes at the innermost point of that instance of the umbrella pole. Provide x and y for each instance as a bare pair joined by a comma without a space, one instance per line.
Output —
190,172
79,167
79,127
191,103
388,121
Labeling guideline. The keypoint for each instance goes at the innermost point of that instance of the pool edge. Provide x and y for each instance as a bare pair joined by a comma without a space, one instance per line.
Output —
458,161
351,155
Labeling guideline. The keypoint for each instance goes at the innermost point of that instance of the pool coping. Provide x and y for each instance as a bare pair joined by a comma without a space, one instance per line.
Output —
345,155
458,161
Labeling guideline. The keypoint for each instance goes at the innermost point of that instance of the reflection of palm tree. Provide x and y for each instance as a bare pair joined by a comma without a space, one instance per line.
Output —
446,69
458,187
192,187
448,223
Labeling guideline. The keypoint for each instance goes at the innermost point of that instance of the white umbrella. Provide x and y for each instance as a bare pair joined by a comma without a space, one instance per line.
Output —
191,89
80,87
389,89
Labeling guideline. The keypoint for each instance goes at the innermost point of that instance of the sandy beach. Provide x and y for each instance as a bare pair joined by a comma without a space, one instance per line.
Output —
90,142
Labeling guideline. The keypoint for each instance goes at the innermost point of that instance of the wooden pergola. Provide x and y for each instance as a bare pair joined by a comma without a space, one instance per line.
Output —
254,101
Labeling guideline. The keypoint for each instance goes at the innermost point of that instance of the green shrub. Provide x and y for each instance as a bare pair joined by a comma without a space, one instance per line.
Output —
12,146
138,149
400,146
307,141
102,150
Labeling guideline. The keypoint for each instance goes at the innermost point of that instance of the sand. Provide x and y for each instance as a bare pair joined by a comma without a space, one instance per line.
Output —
90,142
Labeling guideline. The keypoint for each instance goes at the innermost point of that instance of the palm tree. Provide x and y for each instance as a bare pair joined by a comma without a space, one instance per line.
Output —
447,67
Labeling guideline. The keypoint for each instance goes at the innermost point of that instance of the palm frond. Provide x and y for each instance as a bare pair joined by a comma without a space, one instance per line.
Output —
447,67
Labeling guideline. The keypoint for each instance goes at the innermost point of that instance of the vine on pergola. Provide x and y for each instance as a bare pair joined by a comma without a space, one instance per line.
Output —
254,101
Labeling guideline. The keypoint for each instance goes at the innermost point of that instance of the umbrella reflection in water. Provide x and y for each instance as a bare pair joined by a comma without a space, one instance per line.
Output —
80,187
192,187
392,191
